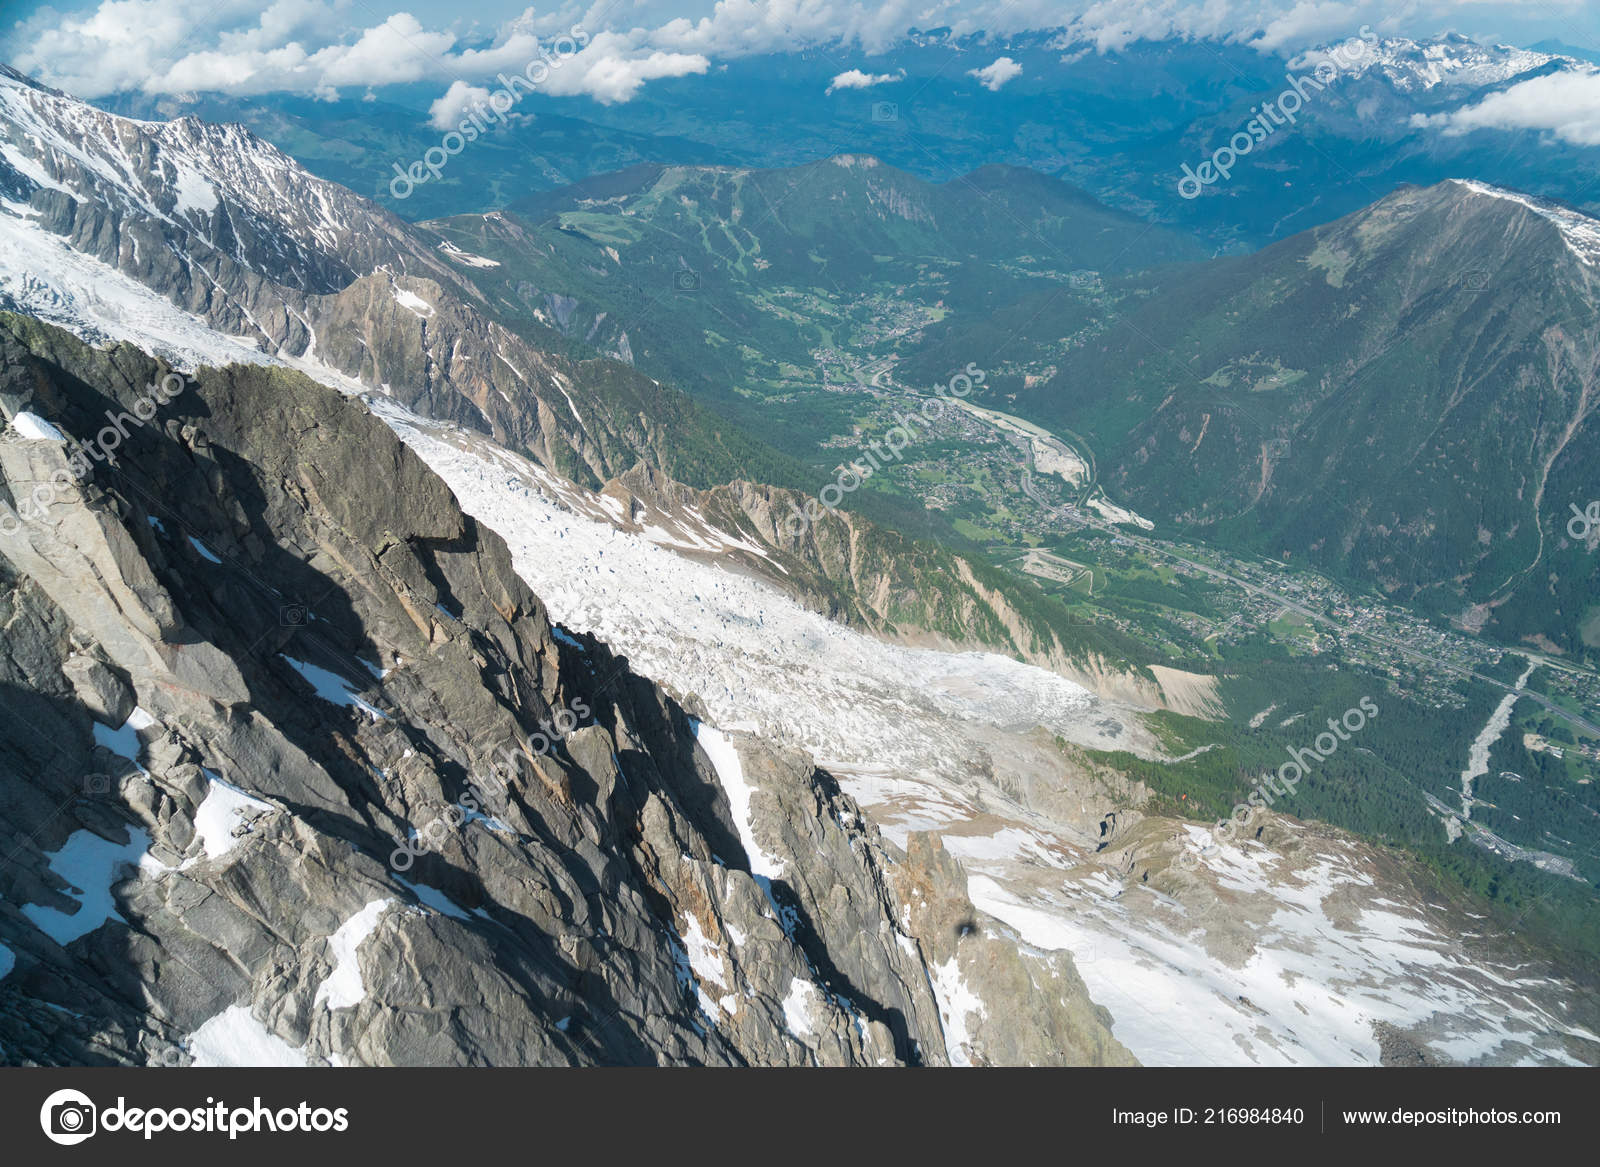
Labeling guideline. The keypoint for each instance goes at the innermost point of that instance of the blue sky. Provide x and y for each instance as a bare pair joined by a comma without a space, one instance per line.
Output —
93,48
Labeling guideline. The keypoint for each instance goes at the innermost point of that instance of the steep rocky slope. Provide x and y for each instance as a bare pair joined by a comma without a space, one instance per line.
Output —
228,228
244,689
1406,396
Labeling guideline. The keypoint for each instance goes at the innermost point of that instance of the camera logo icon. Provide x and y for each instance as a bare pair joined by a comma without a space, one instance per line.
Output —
68,1117
292,615
686,281
885,111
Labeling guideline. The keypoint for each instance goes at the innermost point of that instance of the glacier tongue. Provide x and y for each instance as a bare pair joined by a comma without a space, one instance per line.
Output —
44,277
751,653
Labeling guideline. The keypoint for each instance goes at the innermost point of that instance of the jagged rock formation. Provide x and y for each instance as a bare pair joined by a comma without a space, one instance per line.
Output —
254,659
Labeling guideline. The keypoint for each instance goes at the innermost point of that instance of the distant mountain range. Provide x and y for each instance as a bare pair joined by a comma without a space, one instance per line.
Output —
1118,124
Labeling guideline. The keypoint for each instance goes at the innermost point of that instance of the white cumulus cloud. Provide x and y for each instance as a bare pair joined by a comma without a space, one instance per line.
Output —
610,77
325,47
739,27
309,46
450,110
996,74
1565,104
856,79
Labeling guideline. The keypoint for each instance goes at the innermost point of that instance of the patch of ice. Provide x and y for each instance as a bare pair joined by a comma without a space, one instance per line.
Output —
958,1004
332,688
705,956
124,742
35,428
719,748
89,865
466,257
797,1007
234,1038
344,986
414,302
206,553
433,898
219,813
193,193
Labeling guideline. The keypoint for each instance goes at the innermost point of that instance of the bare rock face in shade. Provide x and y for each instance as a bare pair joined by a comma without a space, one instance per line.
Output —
298,769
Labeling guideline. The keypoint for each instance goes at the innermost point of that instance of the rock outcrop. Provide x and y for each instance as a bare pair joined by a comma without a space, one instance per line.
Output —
296,769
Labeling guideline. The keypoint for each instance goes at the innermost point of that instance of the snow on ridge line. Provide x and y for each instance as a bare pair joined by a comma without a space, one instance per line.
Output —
1580,232
1411,64
203,156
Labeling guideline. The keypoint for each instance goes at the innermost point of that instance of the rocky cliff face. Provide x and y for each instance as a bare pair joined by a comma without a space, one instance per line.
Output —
296,769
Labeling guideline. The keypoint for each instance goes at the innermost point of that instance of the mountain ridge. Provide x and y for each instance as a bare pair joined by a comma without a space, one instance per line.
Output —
1237,424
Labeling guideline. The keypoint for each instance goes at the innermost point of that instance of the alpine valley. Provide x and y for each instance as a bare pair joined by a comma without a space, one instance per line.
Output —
732,578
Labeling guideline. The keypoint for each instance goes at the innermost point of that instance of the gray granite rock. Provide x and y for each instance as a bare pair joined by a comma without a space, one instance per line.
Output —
341,825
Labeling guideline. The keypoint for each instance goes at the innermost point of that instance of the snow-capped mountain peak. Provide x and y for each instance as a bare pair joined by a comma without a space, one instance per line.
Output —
1580,233
1451,62
203,187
